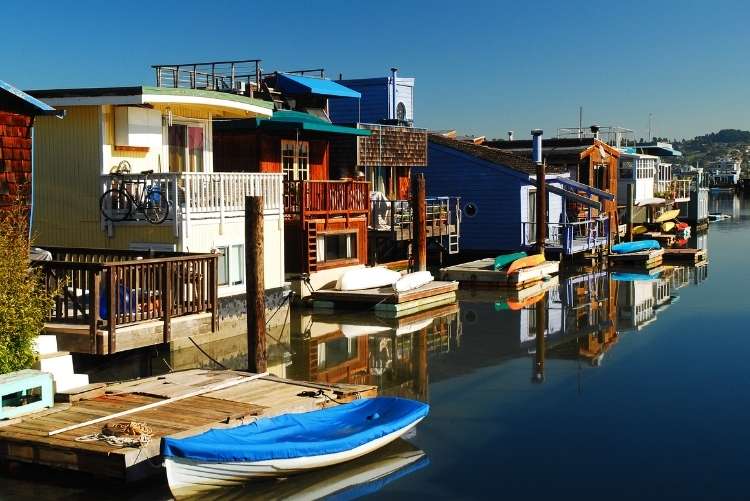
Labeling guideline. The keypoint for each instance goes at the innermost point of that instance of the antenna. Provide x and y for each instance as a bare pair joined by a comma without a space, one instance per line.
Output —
580,122
650,137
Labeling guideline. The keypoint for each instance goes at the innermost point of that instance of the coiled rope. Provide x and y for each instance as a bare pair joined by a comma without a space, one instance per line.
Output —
122,434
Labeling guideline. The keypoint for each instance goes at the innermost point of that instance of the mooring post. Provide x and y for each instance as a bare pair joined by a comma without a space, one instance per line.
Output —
541,191
419,224
541,325
255,295
629,214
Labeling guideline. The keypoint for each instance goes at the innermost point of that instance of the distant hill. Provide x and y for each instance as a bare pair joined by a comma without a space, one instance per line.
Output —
727,142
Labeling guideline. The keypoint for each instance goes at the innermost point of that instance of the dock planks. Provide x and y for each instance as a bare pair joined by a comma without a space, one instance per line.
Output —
481,272
687,256
27,439
384,298
644,259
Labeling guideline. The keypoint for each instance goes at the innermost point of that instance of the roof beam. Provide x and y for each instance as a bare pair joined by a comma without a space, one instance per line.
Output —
574,196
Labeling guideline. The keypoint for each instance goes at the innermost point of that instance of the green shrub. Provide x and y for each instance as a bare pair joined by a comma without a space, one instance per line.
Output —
23,301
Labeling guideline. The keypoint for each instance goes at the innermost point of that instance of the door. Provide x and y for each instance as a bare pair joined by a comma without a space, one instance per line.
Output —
186,147
531,217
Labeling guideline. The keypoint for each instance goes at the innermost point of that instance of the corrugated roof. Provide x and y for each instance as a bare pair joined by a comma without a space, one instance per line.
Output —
17,101
493,155
295,84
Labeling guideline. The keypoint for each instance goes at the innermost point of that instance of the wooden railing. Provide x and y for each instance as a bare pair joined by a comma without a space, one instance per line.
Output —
106,289
588,234
308,199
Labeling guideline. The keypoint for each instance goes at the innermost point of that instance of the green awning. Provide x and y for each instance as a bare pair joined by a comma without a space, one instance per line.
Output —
287,119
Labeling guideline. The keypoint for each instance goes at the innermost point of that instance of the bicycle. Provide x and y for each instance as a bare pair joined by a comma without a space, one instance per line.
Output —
117,203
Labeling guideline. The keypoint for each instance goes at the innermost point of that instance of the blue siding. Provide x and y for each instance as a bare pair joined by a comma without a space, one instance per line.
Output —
496,191
373,107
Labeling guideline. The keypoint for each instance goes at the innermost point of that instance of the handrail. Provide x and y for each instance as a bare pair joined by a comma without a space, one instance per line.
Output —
326,198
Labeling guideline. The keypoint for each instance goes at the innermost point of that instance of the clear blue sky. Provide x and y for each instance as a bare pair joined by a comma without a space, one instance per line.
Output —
481,67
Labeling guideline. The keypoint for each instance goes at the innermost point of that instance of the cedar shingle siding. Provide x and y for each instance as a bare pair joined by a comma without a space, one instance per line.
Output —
392,147
15,158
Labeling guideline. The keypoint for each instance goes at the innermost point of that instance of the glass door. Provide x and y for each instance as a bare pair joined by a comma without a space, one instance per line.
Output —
186,147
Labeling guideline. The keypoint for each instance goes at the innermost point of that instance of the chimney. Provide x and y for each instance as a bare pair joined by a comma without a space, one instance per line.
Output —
536,146
510,135
595,131
394,75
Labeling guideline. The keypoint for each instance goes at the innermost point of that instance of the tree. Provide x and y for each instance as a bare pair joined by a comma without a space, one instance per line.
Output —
24,303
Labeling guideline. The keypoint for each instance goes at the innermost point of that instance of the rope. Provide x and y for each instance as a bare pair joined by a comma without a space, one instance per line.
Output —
123,434
317,394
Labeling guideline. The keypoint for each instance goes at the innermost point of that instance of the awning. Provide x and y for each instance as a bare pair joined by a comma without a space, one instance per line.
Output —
17,101
574,196
586,188
288,120
294,84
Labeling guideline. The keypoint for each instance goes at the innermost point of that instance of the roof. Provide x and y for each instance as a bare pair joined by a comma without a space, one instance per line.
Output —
553,142
17,101
295,84
284,120
493,155
142,94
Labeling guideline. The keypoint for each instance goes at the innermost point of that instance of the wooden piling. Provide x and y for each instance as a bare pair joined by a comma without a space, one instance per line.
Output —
629,214
541,207
419,234
541,324
255,295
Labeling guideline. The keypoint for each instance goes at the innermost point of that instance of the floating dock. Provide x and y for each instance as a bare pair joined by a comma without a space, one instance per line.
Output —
685,256
482,272
385,299
176,404
644,259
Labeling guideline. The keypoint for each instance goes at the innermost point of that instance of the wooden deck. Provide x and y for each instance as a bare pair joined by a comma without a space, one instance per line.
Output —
385,299
686,256
644,259
28,439
482,272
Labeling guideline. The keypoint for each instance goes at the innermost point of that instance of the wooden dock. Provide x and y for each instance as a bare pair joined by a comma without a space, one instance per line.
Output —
644,259
385,299
482,272
685,256
179,404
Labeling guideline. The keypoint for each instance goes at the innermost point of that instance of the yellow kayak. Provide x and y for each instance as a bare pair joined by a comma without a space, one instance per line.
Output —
525,262
667,226
639,230
667,216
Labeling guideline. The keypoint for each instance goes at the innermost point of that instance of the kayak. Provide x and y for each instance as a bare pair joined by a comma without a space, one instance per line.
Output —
667,216
667,226
640,229
506,259
637,246
367,278
525,262
412,281
682,226
290,443
634,277
517,305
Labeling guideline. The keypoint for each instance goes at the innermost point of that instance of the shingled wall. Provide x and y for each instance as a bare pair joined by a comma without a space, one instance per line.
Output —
15,159
391,146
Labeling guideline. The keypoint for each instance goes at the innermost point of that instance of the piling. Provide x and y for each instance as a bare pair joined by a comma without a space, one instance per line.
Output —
255,295
541,207
419,235
629,214
541,324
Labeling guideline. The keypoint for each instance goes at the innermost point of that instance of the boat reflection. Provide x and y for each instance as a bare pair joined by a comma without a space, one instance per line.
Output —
361,477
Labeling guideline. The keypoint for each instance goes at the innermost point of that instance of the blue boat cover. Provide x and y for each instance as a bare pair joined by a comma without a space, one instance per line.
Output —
637,246
634,277
325,431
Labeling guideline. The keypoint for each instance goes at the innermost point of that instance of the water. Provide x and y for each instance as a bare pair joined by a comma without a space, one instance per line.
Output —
638,390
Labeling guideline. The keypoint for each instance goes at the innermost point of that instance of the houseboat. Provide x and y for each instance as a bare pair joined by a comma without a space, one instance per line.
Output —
498,193
724,173
387,158
695,210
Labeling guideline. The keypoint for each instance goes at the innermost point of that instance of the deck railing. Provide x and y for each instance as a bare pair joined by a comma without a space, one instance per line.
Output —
673,189
106,289
203,195
569,237
316,199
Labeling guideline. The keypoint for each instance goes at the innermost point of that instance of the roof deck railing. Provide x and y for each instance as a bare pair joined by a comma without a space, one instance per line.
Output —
224,76
613,136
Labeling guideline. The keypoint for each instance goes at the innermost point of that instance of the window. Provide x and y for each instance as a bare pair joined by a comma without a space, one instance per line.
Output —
470,209
295,160
336,246
232,265
186,147
401,111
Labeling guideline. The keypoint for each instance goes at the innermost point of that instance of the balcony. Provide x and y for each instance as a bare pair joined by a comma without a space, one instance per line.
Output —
111,300
325,199
194,196
569,238
675,190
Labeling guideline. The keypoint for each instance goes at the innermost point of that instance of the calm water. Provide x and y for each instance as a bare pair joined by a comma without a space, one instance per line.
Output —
638,389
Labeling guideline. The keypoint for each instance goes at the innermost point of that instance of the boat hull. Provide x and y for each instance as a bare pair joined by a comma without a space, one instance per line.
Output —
188,477
525,262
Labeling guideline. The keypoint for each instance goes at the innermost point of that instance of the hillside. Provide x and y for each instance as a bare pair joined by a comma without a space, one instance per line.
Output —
726,142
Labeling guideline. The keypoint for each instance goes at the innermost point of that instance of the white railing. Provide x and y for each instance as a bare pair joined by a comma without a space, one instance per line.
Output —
203,195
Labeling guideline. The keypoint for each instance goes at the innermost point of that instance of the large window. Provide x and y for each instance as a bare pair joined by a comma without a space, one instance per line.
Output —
232,265
336,247
186,147
295,160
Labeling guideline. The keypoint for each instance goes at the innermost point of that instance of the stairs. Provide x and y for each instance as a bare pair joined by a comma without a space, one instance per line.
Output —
312,246
57,363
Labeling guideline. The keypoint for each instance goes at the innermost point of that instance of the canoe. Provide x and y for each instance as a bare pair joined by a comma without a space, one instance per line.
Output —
412,281
367,278
667,226
640,229
667,216
525,262
287,444
506,259
637,246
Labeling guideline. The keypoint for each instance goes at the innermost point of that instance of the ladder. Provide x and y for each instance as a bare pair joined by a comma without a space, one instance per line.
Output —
312,246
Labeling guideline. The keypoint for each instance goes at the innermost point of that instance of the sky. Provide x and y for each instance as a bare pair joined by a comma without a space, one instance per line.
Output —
481,67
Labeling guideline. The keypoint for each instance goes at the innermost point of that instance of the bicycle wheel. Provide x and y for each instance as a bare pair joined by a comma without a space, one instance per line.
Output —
116,205
156,207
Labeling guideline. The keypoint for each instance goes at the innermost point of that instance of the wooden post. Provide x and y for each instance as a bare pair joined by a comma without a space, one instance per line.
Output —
419,224
629,214
256,292
541,207
541,324
94,292
167,301
111,310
